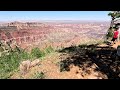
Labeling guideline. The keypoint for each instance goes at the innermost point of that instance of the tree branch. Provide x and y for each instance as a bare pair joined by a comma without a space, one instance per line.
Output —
117,19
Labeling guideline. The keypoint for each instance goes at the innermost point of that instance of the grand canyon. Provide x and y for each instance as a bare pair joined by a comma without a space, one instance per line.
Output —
75,53
54,33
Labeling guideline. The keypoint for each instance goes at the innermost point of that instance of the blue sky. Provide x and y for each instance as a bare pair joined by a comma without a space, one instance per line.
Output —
54,15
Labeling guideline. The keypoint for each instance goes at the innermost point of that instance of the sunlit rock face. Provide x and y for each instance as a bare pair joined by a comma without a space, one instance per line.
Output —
56,33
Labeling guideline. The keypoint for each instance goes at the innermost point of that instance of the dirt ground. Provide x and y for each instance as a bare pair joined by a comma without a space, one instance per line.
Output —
51,69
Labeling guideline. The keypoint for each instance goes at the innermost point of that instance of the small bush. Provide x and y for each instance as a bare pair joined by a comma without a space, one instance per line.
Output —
109,34
8,63
49,49
25,55
39,75
35,52
10,60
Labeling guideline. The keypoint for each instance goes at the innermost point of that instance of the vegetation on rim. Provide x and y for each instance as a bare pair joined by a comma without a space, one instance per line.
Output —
10,60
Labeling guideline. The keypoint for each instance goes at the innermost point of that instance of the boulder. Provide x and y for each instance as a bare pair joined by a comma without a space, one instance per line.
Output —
24,66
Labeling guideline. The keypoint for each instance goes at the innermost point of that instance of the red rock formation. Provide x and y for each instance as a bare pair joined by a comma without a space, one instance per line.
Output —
29,33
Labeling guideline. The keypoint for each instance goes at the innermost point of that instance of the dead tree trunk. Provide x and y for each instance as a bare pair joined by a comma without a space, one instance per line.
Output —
112,22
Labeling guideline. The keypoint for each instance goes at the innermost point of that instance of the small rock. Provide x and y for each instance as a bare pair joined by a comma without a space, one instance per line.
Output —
24,66
34,63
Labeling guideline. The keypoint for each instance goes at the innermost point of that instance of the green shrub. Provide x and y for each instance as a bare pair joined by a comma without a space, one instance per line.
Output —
10,62
49,49
25,55
36,53
109,34
38,75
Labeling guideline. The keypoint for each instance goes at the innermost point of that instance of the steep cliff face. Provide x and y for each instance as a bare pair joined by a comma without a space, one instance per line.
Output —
20,25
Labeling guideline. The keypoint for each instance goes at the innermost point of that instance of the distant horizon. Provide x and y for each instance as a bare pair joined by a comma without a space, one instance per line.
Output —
53,21
9,16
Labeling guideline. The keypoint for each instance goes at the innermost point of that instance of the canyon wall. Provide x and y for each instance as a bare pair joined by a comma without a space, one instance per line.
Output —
54,34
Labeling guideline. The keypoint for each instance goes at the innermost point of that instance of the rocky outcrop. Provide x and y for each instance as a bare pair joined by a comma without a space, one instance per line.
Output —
20,25
26,65
56,34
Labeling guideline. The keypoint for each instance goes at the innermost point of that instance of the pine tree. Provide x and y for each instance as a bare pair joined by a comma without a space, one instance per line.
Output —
115,16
